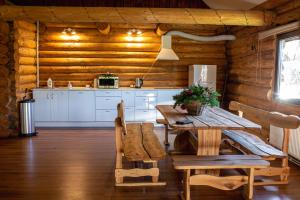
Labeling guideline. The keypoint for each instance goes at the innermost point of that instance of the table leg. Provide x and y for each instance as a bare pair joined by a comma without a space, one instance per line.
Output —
209,141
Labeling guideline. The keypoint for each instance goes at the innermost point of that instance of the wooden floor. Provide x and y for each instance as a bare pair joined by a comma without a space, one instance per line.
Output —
79,165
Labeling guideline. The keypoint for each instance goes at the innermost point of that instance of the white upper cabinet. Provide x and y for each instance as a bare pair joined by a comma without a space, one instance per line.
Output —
42,105
82,106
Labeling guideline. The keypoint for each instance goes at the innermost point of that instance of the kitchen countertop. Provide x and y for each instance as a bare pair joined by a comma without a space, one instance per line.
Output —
121,88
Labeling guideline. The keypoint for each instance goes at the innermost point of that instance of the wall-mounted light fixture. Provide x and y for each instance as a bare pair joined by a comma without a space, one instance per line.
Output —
69,31
69,34
134,35
134,32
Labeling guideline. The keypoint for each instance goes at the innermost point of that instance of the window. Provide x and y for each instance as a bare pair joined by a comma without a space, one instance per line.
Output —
287,83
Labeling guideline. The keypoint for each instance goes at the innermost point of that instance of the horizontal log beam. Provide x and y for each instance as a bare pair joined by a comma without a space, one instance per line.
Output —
137,15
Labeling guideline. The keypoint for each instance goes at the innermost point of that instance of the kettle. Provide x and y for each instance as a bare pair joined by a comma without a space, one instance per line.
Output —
139,82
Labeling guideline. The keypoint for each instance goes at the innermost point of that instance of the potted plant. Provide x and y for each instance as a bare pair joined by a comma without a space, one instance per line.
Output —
195,98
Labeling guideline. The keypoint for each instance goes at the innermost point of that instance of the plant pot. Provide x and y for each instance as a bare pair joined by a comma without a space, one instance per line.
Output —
195,108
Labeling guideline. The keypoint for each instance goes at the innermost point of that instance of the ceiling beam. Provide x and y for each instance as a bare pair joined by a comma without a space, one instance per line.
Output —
137,15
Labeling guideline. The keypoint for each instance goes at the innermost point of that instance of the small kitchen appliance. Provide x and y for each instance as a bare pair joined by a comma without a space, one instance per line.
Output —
139,82
108,80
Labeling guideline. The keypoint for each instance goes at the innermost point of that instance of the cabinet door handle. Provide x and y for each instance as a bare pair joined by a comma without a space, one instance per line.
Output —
47,95
107,111
107,99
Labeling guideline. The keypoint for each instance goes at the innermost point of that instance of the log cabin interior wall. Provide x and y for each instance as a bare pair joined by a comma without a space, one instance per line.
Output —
252,63
25,56
17,70
6,86
93,53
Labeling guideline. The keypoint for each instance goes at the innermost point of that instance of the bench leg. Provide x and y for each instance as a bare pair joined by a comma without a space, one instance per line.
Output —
248,190
285,164
186,195
154,178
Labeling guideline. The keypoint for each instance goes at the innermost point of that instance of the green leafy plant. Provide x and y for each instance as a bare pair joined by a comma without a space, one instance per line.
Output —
203,95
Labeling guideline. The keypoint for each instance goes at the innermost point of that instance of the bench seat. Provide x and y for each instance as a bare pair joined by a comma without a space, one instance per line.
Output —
202,163
254,144
182,162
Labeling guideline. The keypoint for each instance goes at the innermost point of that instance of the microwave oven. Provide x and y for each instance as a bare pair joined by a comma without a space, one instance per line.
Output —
108,82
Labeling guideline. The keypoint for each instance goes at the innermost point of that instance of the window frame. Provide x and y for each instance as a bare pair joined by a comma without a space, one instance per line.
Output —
278,68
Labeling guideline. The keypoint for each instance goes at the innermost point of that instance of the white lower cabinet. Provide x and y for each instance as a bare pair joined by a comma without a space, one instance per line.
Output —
82,106
96,108
128,98
42,106
129,114
59,106
106,115
51,105
107,102
145,115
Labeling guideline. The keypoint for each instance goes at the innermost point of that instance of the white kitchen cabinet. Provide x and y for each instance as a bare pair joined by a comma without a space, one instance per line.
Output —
141,103
128,98
145,102
146,93
129,114
96,107
51,105
165,97
59,105
42,105
107,102
106,115
82,106
108,93
145,115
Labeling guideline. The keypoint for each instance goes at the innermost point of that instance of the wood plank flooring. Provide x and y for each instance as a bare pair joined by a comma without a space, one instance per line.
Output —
79,165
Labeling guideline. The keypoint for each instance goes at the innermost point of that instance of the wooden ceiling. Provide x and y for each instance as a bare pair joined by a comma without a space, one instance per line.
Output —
115,3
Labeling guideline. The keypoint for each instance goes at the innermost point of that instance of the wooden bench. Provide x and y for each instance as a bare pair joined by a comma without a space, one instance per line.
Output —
247,162
136,143
248,143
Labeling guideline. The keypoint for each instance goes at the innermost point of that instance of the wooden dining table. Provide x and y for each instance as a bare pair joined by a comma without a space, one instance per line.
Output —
207,127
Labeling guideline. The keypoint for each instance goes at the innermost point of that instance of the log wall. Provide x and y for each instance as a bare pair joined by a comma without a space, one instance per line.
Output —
80,61
24,56
252,63
8,110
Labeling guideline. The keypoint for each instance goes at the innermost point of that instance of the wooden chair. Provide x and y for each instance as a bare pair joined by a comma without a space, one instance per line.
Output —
251,144
246,162
136,143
